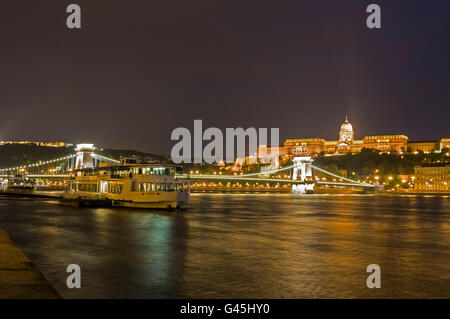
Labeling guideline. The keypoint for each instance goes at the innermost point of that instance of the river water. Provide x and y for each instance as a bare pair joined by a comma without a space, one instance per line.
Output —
241,246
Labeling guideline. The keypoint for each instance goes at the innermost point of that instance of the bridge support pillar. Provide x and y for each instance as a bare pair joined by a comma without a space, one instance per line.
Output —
302,168
302,164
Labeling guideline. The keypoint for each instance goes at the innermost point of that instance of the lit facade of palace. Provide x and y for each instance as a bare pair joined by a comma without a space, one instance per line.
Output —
347,143
445,143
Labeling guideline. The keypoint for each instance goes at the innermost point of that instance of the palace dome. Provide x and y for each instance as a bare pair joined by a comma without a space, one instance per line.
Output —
347,126
346,133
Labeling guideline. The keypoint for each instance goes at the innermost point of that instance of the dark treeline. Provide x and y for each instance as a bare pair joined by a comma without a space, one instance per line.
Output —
12,155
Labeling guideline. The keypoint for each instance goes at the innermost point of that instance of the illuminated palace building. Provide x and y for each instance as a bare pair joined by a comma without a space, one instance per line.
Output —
347,143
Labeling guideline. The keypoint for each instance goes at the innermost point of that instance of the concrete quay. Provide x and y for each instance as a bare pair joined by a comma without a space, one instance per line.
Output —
19,278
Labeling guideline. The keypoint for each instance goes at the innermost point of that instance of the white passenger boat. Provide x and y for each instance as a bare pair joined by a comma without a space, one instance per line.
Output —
129,184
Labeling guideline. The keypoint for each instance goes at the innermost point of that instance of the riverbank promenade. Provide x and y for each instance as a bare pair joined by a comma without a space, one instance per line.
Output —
19,278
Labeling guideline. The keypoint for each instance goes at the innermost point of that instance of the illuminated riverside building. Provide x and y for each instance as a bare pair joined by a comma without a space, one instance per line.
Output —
432,178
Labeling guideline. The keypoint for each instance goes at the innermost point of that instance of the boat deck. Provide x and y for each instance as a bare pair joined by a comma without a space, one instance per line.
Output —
37,194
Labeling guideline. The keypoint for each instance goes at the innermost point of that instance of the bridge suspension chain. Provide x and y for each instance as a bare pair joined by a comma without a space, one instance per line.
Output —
59,159
41,163
337,176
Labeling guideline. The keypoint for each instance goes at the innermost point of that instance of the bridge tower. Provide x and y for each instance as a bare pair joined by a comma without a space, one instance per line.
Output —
84,157
302,165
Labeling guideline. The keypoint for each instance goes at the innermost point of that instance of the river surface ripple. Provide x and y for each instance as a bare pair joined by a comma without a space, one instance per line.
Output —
241,246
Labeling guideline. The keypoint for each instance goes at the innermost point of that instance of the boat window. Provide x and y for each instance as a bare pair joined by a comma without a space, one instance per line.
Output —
158,171
147,187
103,186
87,188
115,188
134,186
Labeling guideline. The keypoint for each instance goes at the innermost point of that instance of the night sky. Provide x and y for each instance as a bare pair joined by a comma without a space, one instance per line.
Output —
140,68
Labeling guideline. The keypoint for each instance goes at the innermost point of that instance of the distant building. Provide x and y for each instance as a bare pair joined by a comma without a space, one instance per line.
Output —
48,144
424,146
240,161
387,143
445,144
264,155
314,146
268,154
346,143
432,178
304,146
